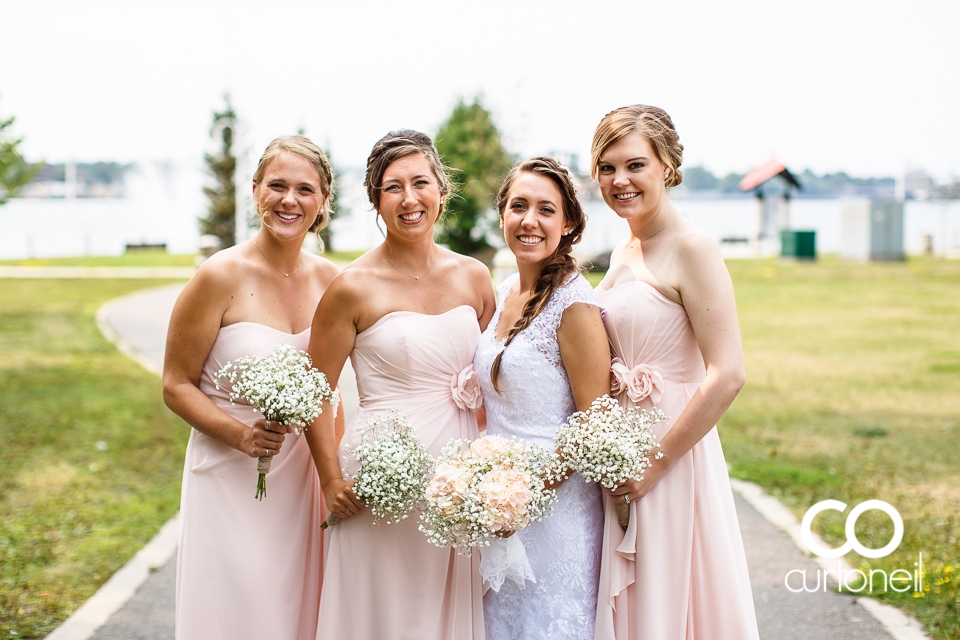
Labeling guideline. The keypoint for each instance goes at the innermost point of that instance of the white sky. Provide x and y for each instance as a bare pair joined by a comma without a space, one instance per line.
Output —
866,86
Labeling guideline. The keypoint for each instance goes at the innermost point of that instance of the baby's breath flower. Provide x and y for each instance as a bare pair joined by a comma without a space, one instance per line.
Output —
283,386
394,467
609,444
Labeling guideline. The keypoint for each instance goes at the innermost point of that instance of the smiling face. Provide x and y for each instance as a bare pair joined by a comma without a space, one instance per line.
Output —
533,218
289,197
631,177
410,196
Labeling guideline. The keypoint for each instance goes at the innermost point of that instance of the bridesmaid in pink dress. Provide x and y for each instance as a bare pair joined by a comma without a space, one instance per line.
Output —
249,568
409,314
679,571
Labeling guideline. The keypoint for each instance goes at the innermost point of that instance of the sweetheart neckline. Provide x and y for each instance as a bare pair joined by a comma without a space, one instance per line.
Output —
643,282
416,313
260,324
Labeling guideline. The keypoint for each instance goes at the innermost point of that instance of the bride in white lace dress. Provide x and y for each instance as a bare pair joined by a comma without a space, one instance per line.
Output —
543,356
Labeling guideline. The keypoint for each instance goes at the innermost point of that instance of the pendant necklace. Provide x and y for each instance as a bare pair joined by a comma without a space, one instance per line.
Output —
299,262
409,275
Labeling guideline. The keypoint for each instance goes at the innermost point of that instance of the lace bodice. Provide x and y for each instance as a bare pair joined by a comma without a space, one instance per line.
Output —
563,548
535,396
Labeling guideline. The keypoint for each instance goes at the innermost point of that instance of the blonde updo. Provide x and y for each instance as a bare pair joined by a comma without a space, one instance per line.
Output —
306,149
653,124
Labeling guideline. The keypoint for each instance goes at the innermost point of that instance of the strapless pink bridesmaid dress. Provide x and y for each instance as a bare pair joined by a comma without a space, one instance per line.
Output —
385,581
679,572
247,568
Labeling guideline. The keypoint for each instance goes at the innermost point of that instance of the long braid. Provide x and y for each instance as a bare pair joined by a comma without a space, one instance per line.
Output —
558,270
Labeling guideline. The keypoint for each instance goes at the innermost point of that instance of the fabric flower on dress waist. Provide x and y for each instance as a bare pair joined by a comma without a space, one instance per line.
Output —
644,380
465,389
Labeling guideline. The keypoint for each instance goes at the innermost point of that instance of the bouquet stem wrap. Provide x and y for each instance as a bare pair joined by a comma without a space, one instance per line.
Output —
505,558
263,467
623,514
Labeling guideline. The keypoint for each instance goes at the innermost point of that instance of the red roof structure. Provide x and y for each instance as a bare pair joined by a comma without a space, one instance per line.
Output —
770,169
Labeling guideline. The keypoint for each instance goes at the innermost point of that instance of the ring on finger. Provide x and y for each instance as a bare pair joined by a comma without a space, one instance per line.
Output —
626,499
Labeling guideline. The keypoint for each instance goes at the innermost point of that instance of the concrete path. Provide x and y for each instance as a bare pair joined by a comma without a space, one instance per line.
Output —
138,324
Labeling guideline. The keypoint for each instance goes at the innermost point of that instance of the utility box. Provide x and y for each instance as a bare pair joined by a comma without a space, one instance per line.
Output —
872,230
798,245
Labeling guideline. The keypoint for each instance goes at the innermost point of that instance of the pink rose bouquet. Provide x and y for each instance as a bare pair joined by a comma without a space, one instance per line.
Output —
484,489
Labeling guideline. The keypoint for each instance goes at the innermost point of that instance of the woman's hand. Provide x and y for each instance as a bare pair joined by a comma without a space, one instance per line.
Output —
636,489
340,498
263,438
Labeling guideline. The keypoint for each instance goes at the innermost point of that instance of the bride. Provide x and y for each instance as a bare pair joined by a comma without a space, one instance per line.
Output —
543,356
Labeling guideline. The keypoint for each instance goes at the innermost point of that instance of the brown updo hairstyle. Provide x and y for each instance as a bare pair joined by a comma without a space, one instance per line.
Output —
396,145
561,265
653,124
306,149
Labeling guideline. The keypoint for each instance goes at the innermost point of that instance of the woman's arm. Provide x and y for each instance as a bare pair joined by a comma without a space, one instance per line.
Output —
193,329
585,353
332,338
707,293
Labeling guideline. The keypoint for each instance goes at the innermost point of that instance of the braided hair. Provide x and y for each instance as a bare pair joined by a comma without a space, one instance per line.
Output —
561,265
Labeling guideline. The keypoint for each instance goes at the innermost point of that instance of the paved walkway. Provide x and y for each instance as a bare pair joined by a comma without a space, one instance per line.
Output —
138,323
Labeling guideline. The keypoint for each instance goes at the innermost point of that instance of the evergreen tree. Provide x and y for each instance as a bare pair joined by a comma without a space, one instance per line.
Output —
469,142
15,172
334,207
220,220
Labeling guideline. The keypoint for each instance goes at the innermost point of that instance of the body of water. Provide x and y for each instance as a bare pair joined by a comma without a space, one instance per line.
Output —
164,202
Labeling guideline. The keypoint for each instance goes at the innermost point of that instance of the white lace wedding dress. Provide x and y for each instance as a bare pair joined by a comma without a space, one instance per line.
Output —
564,547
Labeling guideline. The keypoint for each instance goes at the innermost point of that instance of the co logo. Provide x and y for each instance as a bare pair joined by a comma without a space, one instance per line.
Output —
852,543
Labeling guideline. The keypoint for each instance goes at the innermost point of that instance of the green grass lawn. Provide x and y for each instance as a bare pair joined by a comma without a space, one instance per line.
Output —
139,258
143,258
91,459
853,393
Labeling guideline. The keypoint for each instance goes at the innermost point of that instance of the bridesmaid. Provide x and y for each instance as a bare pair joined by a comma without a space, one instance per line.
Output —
680,569
409,314
238,556
544,356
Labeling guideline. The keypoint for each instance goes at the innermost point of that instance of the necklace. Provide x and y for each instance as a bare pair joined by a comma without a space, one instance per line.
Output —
666,224
299,260
436,253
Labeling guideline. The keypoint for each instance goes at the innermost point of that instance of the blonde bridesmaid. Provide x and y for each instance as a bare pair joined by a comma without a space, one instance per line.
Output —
679,571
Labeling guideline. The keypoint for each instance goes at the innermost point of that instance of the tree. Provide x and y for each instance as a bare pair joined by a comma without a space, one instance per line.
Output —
222,167
15,172
334,207
470,143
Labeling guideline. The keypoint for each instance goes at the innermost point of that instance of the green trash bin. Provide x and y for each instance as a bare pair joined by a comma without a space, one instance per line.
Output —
798,245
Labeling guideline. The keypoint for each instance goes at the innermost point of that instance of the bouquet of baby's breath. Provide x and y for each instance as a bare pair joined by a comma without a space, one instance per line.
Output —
283,386
394,467
610,445
484,489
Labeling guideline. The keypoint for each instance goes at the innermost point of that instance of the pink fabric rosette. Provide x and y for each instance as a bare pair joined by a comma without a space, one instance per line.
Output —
640,382
465,389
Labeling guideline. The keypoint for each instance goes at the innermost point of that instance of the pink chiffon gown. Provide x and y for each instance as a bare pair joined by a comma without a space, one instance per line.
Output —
247,568
386,581
679,572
